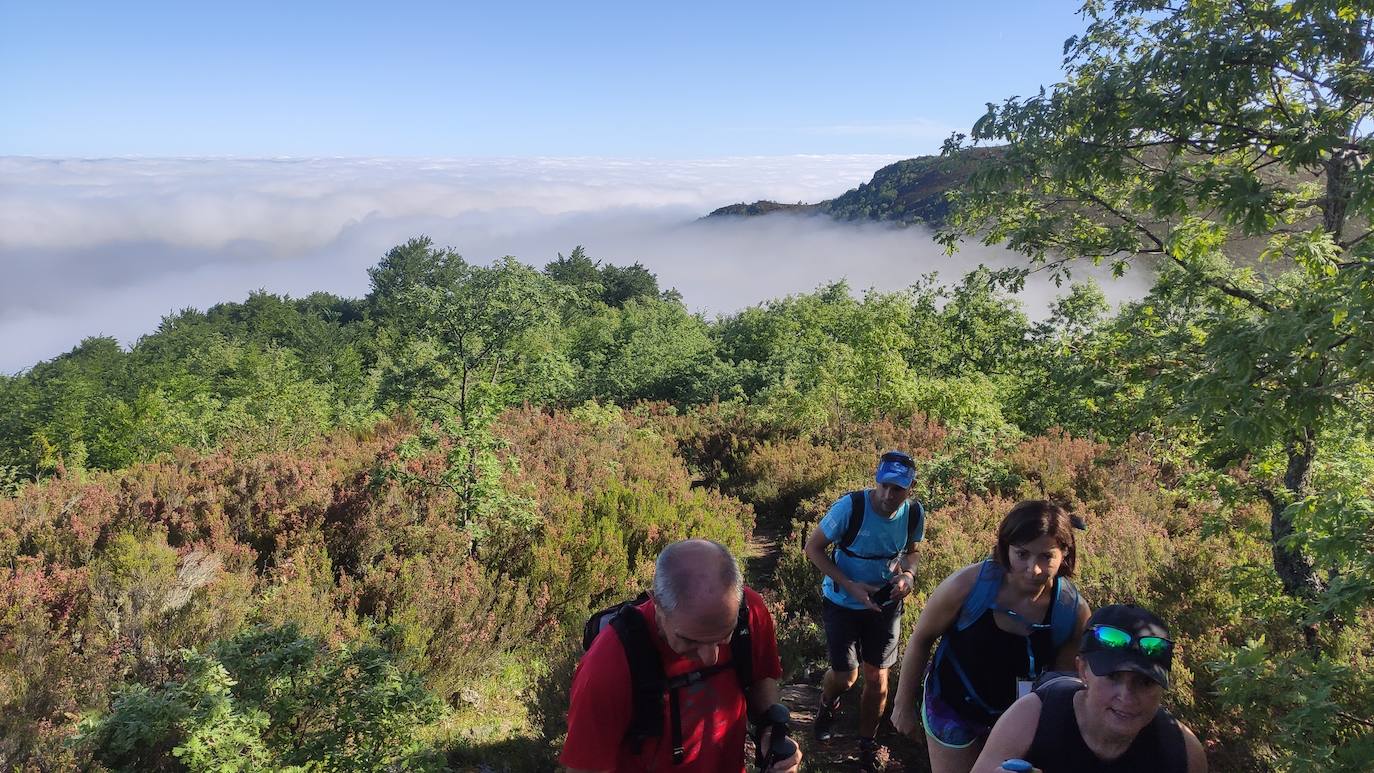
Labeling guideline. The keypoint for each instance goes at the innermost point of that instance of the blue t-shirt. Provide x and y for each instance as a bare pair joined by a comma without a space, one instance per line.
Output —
878,536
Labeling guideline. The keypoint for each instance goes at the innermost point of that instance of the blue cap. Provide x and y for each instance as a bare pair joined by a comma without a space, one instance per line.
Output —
896,468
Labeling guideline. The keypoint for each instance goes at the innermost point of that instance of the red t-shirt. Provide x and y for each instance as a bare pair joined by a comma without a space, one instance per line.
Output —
713,711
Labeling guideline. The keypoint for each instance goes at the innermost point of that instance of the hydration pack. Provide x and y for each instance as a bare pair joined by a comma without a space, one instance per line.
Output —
983,597
858,510
649,684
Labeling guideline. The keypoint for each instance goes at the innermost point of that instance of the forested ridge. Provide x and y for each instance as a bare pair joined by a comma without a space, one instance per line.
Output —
909,192
335,533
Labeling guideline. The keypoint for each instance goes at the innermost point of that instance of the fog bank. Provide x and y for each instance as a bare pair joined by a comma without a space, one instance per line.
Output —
110,246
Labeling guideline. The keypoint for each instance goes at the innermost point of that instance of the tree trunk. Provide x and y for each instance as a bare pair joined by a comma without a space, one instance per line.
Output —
1295,570
1337,193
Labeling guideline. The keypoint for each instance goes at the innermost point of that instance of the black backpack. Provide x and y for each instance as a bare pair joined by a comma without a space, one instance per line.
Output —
914,518
648,684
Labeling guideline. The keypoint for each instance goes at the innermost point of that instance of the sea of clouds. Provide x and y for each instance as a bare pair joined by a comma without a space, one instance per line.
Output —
110,246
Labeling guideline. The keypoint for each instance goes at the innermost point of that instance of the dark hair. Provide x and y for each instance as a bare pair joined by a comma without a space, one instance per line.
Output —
1032,519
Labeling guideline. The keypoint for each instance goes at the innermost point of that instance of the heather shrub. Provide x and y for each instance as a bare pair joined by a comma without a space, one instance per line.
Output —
610,491
785,472
450,619
1053,465
61,519
271,501
56,660
776,477
961,532
303,591
713,439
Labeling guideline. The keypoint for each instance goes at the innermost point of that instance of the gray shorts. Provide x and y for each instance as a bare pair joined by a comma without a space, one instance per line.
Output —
852,635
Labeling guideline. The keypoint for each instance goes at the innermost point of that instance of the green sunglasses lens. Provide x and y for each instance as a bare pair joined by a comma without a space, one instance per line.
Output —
1153,645
1114,638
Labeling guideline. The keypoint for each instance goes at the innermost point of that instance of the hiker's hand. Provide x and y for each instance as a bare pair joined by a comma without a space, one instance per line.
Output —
861,591
903,583
789,765
904,718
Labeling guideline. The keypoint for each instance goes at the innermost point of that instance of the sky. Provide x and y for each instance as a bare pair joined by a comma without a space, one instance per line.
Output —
159,156
455,78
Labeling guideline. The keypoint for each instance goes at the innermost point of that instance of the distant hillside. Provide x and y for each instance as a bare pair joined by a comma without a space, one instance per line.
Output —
907,192
762,208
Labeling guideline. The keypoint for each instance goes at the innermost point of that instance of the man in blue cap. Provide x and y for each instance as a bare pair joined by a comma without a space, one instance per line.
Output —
874,533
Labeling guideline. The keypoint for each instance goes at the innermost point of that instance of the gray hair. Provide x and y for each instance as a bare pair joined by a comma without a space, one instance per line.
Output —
677,577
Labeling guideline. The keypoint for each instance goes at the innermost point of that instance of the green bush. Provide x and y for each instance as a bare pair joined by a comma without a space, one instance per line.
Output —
271,699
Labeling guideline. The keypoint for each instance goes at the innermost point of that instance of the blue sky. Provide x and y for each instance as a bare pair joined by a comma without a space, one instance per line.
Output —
449,79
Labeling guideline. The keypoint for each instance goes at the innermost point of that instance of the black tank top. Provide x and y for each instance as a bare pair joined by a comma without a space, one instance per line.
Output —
1059,746
991,660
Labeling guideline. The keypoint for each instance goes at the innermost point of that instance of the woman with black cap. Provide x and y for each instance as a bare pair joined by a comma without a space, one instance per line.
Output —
1107,719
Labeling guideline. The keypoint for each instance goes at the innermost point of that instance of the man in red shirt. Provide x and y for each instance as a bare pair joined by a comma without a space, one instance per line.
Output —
691,615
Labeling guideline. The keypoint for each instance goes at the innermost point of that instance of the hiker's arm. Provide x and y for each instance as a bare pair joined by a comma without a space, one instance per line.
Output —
905,578
1012,735
815,550
762,696
1197,755
1068,653
939,614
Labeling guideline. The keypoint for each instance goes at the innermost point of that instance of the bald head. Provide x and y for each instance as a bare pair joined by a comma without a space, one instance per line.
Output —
695,574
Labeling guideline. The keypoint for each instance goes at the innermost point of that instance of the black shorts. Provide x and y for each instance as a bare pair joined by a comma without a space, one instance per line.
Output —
852,635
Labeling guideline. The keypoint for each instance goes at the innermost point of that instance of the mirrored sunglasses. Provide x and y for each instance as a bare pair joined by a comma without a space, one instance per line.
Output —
1112,638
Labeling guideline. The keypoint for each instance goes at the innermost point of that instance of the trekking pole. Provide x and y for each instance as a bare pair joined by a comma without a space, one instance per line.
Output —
780,744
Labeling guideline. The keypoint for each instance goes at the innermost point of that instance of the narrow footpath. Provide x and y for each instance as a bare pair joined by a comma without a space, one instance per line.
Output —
801,691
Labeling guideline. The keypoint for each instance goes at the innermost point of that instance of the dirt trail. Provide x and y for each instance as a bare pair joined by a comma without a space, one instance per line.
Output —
802,692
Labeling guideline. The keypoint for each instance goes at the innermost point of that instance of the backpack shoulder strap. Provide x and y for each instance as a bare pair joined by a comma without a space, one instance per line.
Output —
647,681
983,595
599,620
742,649
1064,612
915,521
1053,680
857,510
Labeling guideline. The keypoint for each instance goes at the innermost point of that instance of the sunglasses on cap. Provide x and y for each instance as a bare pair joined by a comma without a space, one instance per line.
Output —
1112,638
897,457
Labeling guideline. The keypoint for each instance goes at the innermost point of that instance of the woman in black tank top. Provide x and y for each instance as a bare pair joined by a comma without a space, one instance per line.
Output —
1000,623
1109,718
995,659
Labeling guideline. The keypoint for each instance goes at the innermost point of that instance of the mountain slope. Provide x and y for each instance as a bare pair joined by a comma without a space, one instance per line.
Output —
907,192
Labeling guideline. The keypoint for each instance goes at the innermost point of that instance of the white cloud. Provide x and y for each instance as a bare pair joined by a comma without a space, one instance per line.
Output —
109,246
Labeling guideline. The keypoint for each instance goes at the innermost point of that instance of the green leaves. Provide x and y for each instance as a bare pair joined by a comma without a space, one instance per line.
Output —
271,700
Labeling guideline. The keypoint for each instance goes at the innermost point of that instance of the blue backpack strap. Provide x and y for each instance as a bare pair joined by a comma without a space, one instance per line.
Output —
979,599
940,654
983,595
1064,613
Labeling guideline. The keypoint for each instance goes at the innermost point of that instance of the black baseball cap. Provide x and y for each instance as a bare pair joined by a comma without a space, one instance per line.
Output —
1138,622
